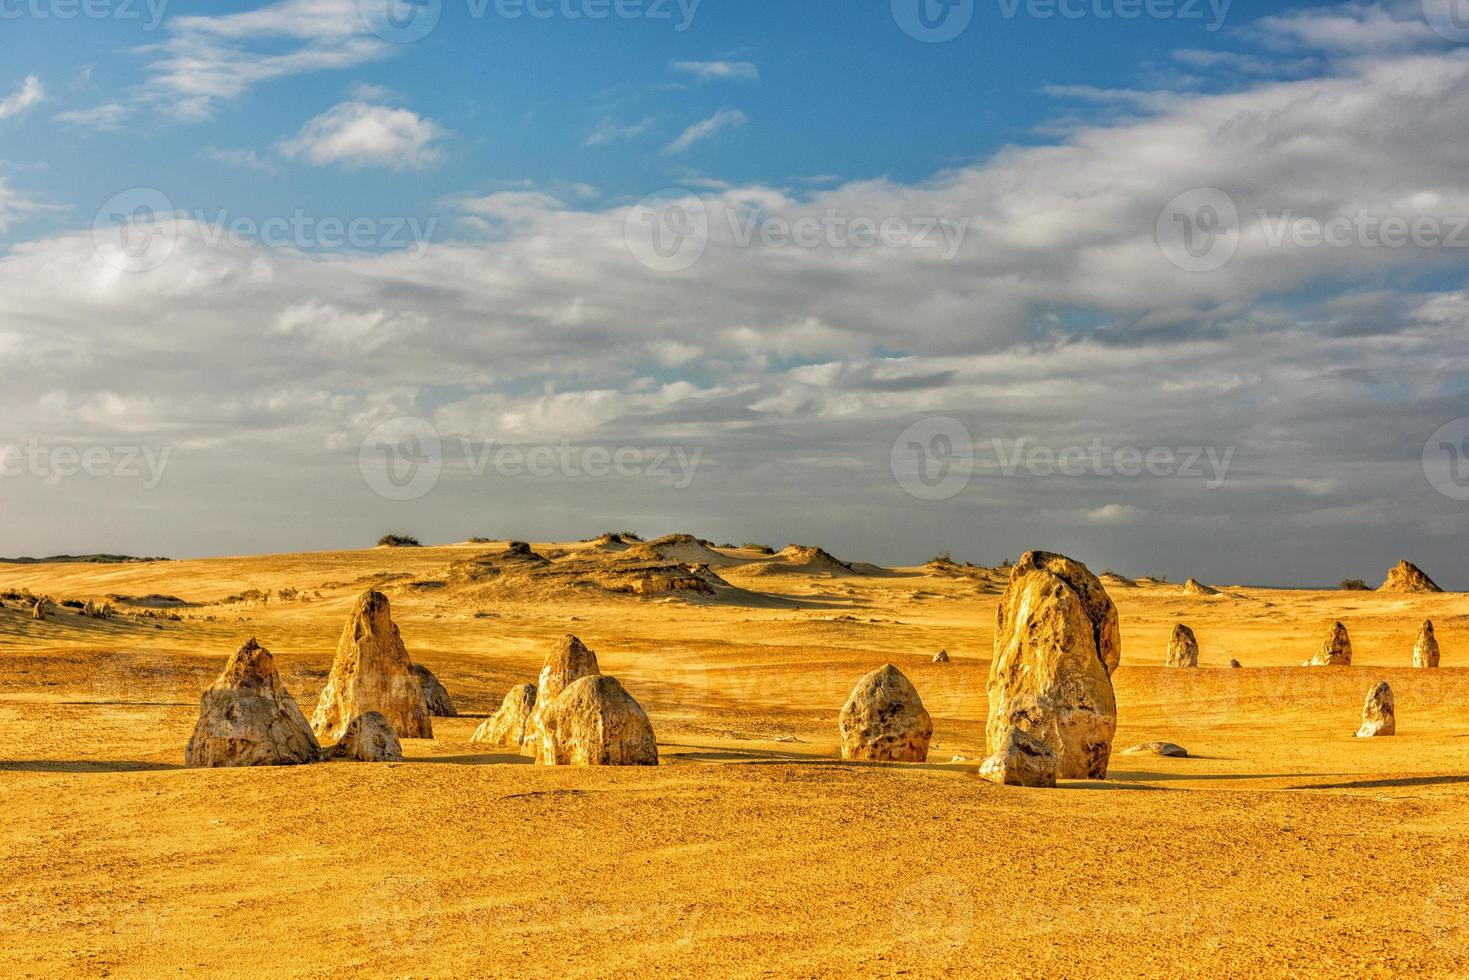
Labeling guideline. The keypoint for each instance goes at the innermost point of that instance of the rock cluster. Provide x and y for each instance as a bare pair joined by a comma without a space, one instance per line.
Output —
884,720
372,672
440,705
1378,713
510,727
368,738
1336,649
1057,641
1408,577
595,722
248,718
1425,651
1183,648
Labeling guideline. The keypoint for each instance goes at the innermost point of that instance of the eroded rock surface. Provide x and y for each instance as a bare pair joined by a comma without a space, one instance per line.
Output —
1425,651
1336,649
884,719
372,672
1021,760
1183,648
1379,714
510,727
248,718
1408,577
595,722
368,738
440,705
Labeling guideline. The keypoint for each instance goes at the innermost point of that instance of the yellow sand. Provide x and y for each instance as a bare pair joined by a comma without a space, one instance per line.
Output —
1284,845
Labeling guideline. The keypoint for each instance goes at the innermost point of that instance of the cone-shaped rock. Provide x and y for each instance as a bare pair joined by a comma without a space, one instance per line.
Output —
1378,714
440,705
884,719
248,718
368,738
1057,642
1408,577
1195,587
510,726
942,657
1021,760
372,672
595,722
1425,651
1336,649
567,663
1183,648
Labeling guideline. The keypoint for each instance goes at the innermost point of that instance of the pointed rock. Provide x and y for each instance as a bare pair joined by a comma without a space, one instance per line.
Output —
1336,649
248,718
1408,577
884,719
1378,713
942,657
1195,587
1425,651
510,726
368,738
1057,641
1021,760
1235,664
372,672
440,705
1183,648
569,661
595,722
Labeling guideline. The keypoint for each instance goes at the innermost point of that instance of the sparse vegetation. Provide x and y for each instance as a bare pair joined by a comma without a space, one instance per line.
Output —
1354,585
764,549
478,540
397,541
942,558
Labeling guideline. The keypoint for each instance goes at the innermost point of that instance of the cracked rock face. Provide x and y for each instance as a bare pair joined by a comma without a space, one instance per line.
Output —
595,722
440,705
1057,641
1183,648
1336,649
1021,760
510,727
884,719
1408,577
1425,651
1379,715
368,738
372,672
567,663
248,718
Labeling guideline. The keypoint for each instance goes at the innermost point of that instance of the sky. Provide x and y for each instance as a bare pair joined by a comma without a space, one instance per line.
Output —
1176,287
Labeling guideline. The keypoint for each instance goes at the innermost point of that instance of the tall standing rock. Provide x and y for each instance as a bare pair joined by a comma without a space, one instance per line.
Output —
440,705
595,722
510,726
1425,651
372,672
1379,716
1336,649
248,718
566,664
1183,648
1057,641
1408,577
884,719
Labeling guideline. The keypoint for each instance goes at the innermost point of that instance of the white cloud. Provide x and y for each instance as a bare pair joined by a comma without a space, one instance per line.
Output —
707,129
705,71
608,131
356,135
30,93
110,115
15,205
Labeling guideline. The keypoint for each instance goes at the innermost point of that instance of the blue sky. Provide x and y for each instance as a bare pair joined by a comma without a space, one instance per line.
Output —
871,267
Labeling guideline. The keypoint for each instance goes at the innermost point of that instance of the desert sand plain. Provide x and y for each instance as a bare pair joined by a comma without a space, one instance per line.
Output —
1283,844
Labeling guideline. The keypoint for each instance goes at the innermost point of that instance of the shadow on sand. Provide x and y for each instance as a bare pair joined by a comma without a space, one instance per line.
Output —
84,765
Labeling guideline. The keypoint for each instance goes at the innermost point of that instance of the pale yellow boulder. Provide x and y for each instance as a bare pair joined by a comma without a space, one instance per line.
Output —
372,672
510,727
595,722
1408,577
884,719
1336,649
1057,641
1425,651
1379,715
569,661
368,738
248,718
1183,648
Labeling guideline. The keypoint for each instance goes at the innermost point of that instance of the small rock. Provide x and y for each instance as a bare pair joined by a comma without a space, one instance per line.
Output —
1336,649
1183,648
1378,715
368,738
510,727
1158,748
884,719
1022,760
942,657
1425,651
1235,664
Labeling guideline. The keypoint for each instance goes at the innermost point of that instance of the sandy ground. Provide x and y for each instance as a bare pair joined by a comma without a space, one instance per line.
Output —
1283,846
